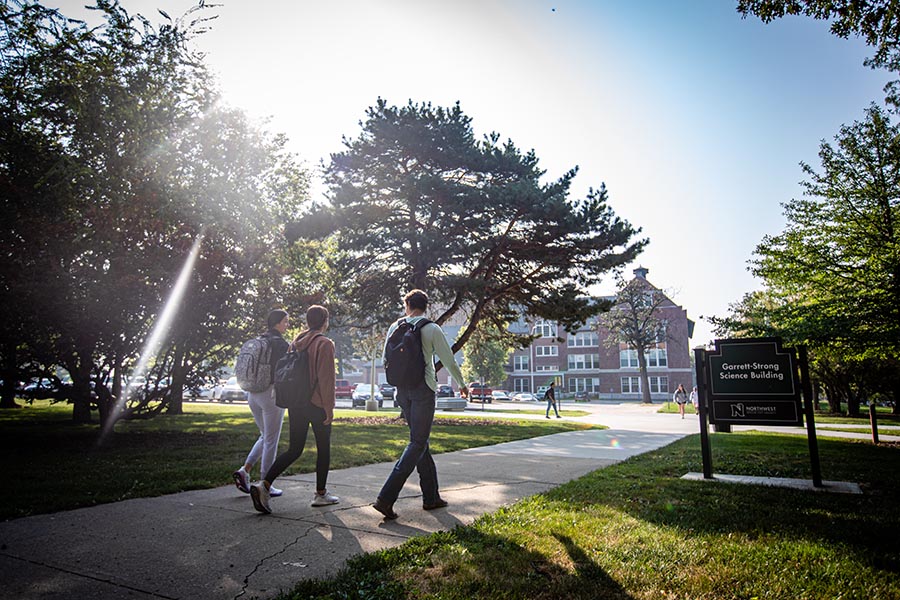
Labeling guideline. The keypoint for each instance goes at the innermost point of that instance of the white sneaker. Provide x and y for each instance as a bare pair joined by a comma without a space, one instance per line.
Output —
275,492
324,499
241,480
260,496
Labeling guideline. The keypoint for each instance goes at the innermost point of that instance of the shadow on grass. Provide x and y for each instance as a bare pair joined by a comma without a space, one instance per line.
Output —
649,488
481,565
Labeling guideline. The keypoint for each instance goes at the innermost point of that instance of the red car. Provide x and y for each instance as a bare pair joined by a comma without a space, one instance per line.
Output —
342,389
479,392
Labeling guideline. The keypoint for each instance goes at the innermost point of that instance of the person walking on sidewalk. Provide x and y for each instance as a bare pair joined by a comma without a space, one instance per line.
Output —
695,400
417,402
680,397
268,417
319,413
550,397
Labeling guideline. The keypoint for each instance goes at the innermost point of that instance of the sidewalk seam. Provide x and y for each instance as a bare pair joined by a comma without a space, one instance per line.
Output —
85,576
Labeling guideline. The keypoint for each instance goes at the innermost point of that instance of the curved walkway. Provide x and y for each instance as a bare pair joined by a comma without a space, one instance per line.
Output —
212,544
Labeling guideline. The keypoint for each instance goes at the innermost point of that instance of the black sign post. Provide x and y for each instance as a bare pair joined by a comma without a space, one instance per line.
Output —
754,381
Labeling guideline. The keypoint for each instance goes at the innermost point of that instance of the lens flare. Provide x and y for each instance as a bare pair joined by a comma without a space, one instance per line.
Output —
614,443
153,343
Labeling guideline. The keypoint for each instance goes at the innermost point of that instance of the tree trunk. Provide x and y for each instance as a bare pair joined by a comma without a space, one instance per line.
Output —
10,375
176,388
81,387
645,379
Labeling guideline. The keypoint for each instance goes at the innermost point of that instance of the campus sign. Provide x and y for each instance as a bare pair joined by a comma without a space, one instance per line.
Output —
753,381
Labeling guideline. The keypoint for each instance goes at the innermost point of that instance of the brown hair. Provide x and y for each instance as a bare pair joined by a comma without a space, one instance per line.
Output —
316,316
416,300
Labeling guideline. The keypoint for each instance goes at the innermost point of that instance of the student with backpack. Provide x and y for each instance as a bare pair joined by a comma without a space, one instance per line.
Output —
550,397
255,372
409,353
313,406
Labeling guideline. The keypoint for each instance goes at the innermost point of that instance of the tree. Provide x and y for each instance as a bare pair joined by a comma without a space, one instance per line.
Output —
876,21
838,259
417,202
485,357
634,320
116,154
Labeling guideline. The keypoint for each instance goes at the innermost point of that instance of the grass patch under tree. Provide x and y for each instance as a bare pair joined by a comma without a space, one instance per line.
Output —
637,531
57,465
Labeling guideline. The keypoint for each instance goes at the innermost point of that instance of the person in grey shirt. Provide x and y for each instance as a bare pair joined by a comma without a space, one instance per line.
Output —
418,404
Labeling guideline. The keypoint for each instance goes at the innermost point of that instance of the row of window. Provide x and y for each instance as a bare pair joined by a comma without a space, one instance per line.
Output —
627,359
629,385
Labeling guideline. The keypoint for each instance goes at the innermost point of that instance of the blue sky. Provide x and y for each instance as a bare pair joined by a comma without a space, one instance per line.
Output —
694,118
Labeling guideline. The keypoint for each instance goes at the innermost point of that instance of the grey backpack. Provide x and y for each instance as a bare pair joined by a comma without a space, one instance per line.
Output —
253,367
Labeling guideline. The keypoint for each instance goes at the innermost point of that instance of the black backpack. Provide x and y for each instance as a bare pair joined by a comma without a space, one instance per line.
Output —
404,363
293,382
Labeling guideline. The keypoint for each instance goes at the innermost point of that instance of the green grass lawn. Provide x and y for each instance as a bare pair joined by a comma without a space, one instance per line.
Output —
637,531
57,465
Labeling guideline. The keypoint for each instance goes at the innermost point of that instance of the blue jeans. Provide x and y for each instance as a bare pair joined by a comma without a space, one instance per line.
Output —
418,405
553,404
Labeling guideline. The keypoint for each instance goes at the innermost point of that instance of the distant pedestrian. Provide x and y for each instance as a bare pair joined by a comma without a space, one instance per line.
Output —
268,417
695,400
417,403
680,397
550,397
319,413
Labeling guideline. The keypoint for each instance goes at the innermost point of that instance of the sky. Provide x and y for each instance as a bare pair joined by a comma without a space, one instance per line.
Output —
695,119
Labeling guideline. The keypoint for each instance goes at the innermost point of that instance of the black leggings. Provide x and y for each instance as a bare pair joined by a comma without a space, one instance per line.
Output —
299,420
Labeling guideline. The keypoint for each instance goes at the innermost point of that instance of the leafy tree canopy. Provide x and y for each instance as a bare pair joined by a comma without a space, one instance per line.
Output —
418,201
837,263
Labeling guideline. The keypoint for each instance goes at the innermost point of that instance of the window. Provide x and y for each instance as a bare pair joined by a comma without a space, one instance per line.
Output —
631,385
628,359
659,385
547,368
584,361
545,329
657,357
520,384
520,363
546,351
582,339
584,384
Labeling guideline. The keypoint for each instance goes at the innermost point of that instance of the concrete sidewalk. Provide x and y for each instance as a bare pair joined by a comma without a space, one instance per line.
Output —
212,544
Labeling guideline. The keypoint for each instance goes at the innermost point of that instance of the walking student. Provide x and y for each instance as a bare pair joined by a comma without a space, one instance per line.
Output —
318,413
695,400
550,397
680,397
417,400
268,417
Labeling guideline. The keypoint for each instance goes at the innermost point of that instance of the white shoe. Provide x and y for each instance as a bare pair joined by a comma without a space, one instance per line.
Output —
275,492
324,499
260,496
241,480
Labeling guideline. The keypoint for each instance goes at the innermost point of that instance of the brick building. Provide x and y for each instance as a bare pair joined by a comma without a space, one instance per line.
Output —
581,361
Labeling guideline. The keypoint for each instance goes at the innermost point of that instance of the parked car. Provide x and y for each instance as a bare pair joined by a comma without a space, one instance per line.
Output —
231,391
343,389
479,392
524,397
42,388
541,391
365,391
500,395
445,391
581,397
388,392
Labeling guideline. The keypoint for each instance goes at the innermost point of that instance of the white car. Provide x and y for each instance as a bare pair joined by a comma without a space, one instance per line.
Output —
524,397
500,395
363,392
231,391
